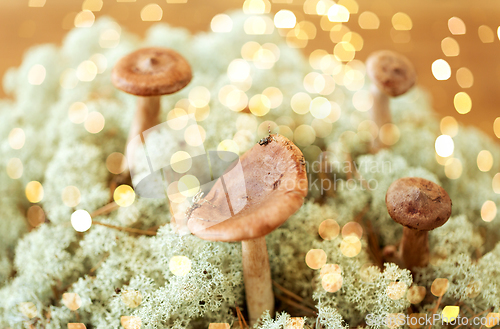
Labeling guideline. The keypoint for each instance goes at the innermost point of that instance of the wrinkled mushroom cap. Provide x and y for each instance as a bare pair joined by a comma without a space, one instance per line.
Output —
273,188
418,203
393,73
151,72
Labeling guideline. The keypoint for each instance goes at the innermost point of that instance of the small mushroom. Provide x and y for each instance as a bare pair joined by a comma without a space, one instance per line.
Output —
420,206
392,75
247,208
149,73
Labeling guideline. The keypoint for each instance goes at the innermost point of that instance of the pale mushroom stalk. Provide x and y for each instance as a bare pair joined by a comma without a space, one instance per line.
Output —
392,74
380,113
149,73
266,187
420,206
146,116
257,277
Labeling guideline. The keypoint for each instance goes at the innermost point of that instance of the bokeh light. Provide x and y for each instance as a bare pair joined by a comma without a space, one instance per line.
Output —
259,105
496,183
85,18
14,168
316,258
72,300
189,185
441,69
492,319
181,161
401,22
444,146
304,135
151,13
352,229
450,47
473,289
81,220
37,74
416,294
449,126
35,215
332,282
300,103
450,313
28,309
488,211
486,34
338,14
439,286
350,246
485,160
17,138
130,322
396,290
285,19
453,168
221,23
362,100
78,112
456,26
92,5
94,123
368,21
329,229
71,196
194,135
131,298
34,192
389,134
464,76
116,163
496,127
86,71
199,96
124,195
179,265
462,102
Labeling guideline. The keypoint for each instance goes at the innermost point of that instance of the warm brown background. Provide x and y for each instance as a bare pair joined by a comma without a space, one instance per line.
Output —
22,27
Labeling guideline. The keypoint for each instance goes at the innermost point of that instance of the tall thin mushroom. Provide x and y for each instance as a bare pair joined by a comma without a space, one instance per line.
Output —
248,208
392,75
149,73
420,206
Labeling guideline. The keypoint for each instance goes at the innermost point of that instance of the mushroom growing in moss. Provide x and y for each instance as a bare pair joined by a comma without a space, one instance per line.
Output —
420,206
248,208
149,73
392,75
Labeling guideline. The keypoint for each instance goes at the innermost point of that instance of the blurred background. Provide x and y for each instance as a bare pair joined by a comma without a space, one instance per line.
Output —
454,44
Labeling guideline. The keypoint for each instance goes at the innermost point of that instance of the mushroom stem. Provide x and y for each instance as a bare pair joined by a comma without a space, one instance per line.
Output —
146,117
414,248
257,278
380,113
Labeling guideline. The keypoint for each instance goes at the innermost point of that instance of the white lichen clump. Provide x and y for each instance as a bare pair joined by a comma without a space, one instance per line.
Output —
172,281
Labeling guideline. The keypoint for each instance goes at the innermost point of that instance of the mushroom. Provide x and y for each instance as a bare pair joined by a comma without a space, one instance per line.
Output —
420,206
392,75
246,209
149,73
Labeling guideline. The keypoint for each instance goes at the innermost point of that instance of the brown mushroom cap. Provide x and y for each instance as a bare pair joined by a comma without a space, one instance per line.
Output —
273,188
393,73
418,204
151,72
